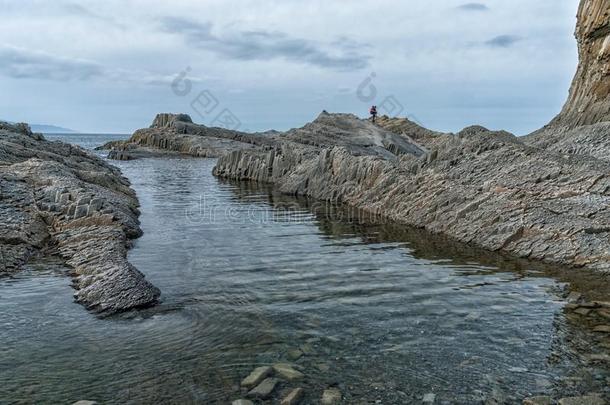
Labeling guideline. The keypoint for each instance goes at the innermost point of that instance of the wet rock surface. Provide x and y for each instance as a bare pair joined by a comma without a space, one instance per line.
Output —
256,376
294,397
584,400
331,396
264,389
57,199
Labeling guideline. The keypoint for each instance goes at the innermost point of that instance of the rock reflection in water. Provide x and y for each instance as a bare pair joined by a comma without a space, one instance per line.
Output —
581,353
377,311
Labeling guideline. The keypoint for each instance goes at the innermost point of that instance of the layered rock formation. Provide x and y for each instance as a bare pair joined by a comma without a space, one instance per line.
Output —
541,197
481,187
583,126
544,197
57,199
176,134
589,99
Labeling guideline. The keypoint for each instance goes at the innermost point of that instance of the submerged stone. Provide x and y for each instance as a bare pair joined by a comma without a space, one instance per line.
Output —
584,400
242,402
540,400
294,397
287,371
256,376
331,396
264,389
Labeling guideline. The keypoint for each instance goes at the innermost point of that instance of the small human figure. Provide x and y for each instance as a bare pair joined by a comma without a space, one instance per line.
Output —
373,112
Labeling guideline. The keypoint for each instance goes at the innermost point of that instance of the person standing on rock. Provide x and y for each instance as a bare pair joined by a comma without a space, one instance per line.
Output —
373,112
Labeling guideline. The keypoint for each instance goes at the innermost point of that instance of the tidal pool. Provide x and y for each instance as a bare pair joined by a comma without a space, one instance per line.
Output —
250,277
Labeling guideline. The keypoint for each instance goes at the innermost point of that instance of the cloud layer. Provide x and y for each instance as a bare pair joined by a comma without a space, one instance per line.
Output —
20,63
343,55
473,7
503,41
108,66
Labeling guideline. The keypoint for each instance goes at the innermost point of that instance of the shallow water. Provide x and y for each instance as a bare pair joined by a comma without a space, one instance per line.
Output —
382,312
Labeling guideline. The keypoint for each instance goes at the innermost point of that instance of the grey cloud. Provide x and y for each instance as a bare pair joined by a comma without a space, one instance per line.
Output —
20,63
25,64
503,41
265,45
78,10
348,44
473,7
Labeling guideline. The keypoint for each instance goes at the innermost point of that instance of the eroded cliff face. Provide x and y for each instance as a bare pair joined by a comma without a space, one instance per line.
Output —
589,99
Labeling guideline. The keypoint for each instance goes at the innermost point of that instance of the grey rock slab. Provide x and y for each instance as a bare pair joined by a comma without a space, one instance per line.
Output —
264,389
294,397
294,354
331,396
429,398
242,402
529,207
287,371
256,376
539,400
584,400
35,175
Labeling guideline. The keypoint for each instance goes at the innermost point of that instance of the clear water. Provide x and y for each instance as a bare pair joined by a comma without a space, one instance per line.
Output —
382,312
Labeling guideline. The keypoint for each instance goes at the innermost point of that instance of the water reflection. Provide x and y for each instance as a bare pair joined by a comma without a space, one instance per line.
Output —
383,312
582,354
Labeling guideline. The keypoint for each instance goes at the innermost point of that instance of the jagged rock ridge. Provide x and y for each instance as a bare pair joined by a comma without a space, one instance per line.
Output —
481,187
57,199
544,197
176,134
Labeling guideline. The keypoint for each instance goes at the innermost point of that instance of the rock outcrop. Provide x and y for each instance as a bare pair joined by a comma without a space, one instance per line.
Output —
589,99
543,197
583,126
57,199
176,134
478,186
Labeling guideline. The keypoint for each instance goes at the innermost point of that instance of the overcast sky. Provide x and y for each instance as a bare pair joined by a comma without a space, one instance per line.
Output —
110,66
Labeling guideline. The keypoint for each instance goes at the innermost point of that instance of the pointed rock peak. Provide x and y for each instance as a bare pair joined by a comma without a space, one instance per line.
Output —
165,120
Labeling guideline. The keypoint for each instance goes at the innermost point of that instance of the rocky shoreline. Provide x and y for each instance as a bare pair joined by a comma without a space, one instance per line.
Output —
176,134
532,197
543,197
59,200
480,187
